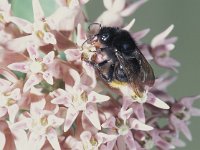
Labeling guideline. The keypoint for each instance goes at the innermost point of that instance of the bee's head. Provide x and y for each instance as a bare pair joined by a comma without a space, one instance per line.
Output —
106,35
98,35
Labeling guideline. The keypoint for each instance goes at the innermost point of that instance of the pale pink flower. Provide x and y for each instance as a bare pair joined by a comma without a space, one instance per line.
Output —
165,140
8,103
5,13
10,95
160,87
79,98
182,110
146,98
161,47
44,30
116,10
41,125
36,67
39,31
73,14
75,54
89,141
122,127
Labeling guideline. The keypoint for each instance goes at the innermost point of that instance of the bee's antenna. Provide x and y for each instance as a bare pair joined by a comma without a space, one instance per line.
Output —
89,29
87,41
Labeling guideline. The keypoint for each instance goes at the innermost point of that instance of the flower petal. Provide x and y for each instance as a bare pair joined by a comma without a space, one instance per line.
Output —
156,102
194,111
180,125
12,111
5,6
167,62
132,8
159,39
32,80
118,5
129,26
21,139
70,117
23,24
37,11
107,4
164,81
5,85
139,35
120,144
47,75
55,121
53,139
65,100
85,136
91,73
110,145
49,38
137,125
139,111
19,44
188,101
130,142
15,94
21,125
97,98
3,111
75,75
36,141
106,137
8,75
92,114
73,143
32,50
49,58
109,123
127,101
72,54
36,107
22,67
125,114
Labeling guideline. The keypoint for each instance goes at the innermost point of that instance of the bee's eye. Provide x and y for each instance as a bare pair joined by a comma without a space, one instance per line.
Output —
104,37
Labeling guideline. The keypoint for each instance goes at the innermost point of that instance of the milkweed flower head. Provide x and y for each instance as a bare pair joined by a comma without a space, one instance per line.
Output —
52,98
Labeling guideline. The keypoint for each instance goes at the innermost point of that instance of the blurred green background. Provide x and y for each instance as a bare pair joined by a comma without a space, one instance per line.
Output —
157,15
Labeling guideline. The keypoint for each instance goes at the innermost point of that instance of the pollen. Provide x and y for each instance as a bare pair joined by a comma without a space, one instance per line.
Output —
11,102
141,99
40,34
1,18
117,84
44,121
93,141
46,27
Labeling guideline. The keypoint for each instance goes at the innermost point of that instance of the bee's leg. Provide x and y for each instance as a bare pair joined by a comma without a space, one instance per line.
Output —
99,50
97,66
109,76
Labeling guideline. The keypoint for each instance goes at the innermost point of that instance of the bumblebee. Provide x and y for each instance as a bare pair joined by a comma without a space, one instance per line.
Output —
124,63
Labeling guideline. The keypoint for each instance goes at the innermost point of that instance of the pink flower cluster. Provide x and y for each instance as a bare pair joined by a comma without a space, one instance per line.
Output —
51,99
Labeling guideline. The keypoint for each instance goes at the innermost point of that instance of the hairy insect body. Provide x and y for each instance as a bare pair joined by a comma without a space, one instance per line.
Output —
124,63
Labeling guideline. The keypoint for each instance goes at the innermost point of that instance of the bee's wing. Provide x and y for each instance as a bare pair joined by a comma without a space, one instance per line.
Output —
138,71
